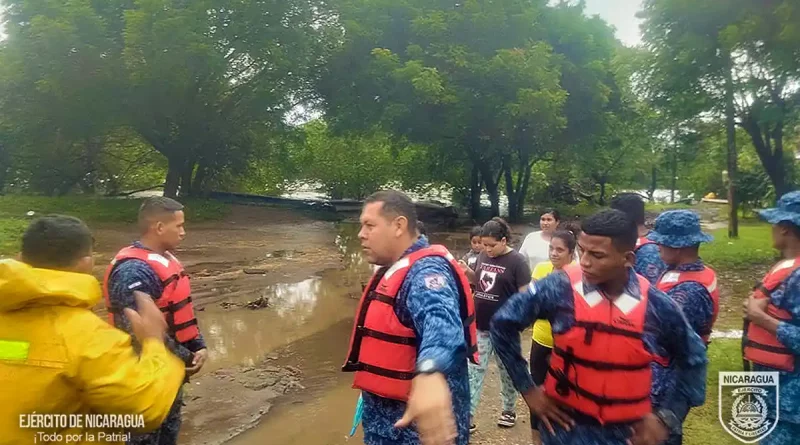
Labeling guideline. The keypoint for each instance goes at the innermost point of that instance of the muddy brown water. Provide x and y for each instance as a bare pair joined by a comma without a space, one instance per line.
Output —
275,294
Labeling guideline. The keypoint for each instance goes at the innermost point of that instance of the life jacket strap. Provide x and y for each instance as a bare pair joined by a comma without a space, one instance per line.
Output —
377,370
599,400
367,332
598,365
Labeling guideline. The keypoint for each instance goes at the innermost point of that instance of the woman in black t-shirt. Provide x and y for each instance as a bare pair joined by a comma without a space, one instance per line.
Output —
499,273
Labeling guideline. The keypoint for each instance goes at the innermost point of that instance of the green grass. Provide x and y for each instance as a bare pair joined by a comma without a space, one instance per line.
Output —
14,213
702,426
752,248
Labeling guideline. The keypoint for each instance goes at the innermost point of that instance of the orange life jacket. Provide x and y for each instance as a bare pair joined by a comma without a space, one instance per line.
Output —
642,241
600,367
175,301
383,351
706,278
759,345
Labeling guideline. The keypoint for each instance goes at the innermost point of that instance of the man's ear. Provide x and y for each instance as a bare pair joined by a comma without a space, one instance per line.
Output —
630,258
400,225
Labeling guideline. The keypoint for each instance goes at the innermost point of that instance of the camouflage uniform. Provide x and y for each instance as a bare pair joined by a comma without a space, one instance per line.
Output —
136,275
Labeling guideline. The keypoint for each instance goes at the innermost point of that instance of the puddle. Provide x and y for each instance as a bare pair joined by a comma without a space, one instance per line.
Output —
236,334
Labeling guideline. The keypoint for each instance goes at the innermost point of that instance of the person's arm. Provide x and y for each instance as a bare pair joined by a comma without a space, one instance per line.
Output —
539,301
695,302
522,273
686,351
125,279
113,379
433,302
788,334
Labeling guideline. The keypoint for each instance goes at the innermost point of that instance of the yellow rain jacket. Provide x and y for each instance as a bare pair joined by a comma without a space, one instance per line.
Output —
58,357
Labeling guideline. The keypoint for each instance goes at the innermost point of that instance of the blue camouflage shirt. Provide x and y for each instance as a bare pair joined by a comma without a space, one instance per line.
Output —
135,275
695,297
649,263
665,330
787,297
433,312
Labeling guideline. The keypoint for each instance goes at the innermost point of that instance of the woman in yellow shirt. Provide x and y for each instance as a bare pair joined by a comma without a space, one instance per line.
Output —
561,252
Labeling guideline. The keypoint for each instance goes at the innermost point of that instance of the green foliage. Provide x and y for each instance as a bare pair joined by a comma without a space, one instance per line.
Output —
753,247
205,83
14,211
351,166
702,425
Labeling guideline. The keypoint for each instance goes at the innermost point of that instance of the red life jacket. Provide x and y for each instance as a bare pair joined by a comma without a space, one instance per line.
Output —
600,367
760,346
383,351
175,301
706,278
642,241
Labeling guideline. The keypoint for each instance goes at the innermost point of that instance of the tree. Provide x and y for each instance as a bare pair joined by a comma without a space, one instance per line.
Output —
199,81
690,70
482,84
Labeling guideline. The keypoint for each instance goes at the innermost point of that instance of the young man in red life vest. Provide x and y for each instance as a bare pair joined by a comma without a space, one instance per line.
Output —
608,325
413,332
772,334
648,260
149,267
689,283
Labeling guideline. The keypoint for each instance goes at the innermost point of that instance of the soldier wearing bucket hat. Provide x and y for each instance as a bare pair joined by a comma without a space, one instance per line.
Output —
771,340
688,282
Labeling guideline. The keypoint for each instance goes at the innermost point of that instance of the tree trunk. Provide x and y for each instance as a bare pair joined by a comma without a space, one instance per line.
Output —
603,191
772,161
198,185
513,211
492,189
475,193
651,193
730,130
186,178
674,170
174,167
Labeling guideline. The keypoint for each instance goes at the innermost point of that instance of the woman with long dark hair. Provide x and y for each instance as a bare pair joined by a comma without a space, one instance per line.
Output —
499,273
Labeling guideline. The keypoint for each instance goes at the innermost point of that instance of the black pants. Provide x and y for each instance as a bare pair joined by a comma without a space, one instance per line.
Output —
539,360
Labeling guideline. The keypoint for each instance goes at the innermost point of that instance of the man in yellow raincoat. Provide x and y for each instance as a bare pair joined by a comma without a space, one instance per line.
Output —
60,364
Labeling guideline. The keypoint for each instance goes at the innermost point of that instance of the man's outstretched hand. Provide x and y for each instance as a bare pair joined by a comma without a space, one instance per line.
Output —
430,407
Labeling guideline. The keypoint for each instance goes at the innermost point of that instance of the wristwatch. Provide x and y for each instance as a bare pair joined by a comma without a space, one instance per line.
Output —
427,366
670,420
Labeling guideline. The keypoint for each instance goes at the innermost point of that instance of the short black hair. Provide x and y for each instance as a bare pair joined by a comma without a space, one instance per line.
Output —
56,242
632,204
497,228
396,203
614,224
555,213
475,231
155,207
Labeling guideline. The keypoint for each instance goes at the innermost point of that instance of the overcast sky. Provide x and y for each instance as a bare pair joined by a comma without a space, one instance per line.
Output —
619,13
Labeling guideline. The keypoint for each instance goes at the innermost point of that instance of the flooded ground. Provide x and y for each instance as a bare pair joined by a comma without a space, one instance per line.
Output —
275,294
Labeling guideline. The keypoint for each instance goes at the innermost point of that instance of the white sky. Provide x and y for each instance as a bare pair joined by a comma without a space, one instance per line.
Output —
621,14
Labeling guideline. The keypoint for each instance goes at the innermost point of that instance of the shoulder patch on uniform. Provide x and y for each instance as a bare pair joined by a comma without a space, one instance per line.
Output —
434,282
158,258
